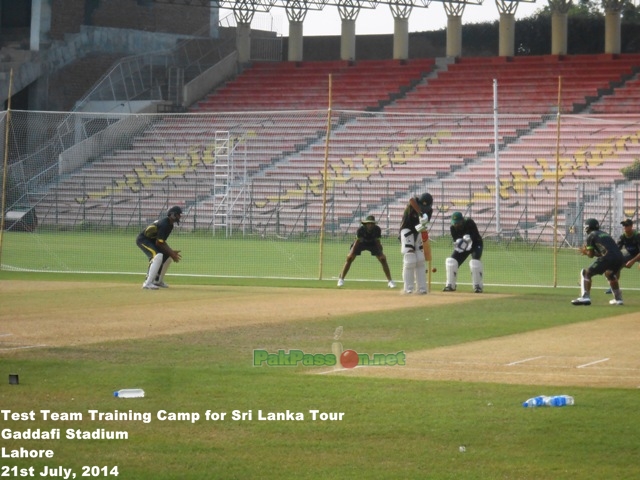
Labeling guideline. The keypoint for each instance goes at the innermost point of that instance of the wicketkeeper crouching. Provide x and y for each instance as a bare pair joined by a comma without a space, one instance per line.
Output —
467,242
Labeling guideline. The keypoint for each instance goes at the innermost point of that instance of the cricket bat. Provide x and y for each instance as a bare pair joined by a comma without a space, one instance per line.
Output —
426,249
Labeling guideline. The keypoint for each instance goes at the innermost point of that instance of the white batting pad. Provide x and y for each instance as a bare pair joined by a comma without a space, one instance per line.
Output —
451,266
409,271
154,268
477,273
165,267
583,282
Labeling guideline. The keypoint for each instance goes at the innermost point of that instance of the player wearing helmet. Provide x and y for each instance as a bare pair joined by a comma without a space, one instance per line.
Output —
368,238
609,261
417,213
467,242
153,242
629,243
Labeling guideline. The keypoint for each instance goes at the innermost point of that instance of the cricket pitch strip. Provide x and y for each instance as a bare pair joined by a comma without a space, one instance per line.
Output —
600,353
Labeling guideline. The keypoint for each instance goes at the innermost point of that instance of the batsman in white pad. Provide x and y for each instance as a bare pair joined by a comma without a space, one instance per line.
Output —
415,220
467,241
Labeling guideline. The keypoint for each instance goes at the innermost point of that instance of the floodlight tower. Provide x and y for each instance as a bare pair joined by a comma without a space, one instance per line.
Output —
454,11
612,29
559,12
296,12
348,10
243,11
507,28
401,12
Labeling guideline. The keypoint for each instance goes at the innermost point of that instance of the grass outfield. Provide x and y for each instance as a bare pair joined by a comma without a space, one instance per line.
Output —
391,427
506,263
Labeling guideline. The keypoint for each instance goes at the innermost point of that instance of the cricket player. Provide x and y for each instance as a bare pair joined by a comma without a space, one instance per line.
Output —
609,261
415,222
153,242
629,243
367,238
467,242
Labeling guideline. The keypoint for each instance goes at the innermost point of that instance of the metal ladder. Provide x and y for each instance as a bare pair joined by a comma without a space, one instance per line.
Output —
222,178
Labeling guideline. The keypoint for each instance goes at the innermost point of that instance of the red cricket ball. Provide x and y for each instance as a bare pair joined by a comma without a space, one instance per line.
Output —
349,359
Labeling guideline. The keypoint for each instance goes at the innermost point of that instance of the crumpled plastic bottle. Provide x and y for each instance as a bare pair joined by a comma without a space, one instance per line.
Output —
560,401
129,393
549,401
538,401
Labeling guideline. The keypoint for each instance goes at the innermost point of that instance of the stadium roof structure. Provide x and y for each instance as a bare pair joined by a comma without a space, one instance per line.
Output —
401,9
296,9
267,5
244,10
348,9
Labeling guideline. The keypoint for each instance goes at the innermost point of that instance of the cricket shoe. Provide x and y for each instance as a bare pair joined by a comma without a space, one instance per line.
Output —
608,291
477,289
341,282
391,284
422,292
150,286
613,301
161,284
448,288
581,301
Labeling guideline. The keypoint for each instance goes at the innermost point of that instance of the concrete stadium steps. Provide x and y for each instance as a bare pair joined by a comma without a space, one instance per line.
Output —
381,177
124,213
592,151
524,86
295,85
177,154
372,168
293,218
351,161
528,166
623,100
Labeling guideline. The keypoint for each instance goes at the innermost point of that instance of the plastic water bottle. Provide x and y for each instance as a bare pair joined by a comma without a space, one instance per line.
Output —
129,393
538,401
560,401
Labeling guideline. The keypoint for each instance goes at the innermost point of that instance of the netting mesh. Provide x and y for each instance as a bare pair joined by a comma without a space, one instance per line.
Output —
257,189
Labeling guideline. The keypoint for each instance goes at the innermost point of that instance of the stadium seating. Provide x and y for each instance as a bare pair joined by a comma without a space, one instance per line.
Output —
268,86
524,84
622,100
591,151
374,166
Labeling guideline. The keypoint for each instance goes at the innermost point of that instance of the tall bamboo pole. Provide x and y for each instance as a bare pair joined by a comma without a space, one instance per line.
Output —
5,165
324,181
555,220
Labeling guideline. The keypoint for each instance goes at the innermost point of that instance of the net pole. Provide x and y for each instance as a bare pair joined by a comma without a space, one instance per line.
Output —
5,164
324,180
496,154
555,219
